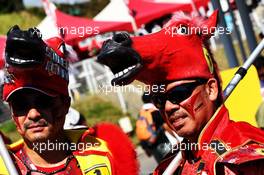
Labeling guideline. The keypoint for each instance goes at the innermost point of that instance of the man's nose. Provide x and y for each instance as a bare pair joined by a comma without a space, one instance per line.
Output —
33,114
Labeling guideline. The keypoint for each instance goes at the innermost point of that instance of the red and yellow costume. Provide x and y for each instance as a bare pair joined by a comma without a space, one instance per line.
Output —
226,147
179,53
105,149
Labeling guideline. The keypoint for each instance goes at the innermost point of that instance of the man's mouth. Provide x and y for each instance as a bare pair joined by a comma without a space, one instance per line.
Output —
36,126
177,121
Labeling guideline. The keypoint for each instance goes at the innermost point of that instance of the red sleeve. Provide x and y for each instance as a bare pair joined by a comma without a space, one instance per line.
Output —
255,167
252,168
122,149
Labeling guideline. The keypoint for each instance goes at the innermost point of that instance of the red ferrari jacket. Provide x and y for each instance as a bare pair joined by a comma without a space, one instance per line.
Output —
224,147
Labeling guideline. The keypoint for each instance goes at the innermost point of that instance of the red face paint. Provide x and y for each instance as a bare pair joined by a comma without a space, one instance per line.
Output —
189,104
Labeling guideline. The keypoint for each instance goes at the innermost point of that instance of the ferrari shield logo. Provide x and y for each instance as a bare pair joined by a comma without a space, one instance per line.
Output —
99,169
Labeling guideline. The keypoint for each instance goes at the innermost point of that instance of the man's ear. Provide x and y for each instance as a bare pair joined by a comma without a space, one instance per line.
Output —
67,104
15,120
212,89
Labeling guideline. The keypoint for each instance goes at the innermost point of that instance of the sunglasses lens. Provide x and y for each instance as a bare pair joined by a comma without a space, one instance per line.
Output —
177,94
182,92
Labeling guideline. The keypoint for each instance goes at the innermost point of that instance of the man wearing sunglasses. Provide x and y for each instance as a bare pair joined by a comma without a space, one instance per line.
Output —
189,97
36,89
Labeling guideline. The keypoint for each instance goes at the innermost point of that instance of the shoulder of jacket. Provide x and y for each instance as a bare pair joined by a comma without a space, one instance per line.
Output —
251,151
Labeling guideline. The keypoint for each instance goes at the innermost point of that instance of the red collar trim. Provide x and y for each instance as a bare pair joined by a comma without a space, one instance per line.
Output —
215,125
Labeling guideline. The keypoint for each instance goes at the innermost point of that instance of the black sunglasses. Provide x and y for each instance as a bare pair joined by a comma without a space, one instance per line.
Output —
20,107
177,94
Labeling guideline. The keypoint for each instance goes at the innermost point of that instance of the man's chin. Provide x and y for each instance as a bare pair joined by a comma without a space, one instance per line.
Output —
38,137
184,132
181,134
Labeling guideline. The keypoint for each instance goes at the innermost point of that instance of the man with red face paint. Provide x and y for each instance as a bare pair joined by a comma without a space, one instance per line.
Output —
36,89
177,59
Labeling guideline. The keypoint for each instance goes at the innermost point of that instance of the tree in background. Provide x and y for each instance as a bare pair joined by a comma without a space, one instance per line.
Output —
88,9
11,5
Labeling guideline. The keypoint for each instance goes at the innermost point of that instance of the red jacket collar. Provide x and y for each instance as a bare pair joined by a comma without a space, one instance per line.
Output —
213,127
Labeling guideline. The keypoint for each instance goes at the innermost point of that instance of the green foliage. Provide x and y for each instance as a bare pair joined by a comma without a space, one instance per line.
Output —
38,12
9,129
89,9
97,110
96,6
25,19
8,126
11,14
10,6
